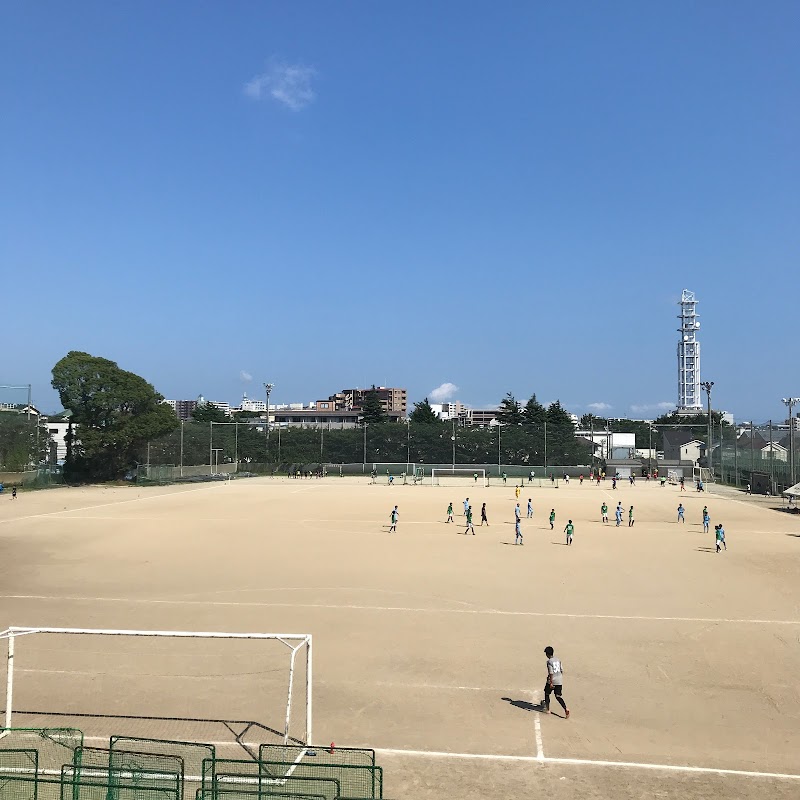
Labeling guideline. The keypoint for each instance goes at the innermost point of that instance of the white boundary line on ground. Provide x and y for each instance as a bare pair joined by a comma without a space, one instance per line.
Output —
114,503
543,759
591,762
407,609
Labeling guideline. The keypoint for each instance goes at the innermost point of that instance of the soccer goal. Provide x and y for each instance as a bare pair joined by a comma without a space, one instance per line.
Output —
447,476
175,680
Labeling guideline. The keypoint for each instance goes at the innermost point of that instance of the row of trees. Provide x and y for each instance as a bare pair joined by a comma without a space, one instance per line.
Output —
115,414
421,443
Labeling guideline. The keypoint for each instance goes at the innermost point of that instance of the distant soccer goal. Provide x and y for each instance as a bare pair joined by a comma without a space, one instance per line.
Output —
444,476
172,678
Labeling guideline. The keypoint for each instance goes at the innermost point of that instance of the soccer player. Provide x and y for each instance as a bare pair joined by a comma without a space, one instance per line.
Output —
581,479
484,518
706,522
475,476
569,529
530,508
552,518
395,515
517,512
466,506
618,514
530,476
631,520
555,681
518,532
720,537
683,484
681,511
450,512
517,491
614,482
505,478
13,492
604,512
470,526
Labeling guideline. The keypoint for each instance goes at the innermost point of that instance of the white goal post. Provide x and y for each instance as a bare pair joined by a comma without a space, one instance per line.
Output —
447,476
295,642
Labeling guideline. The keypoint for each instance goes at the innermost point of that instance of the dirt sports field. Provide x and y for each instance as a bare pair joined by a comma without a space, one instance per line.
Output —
682,666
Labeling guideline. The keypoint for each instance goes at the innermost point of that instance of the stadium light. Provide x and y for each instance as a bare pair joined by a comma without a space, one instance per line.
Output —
791,402
268,387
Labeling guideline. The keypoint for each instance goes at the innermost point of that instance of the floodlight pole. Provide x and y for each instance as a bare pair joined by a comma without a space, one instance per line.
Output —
268,387
453,437
708,386
791,402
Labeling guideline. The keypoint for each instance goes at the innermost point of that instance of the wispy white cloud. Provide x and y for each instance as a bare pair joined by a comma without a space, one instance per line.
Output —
600,406
289,84
245,376
443,393
643,408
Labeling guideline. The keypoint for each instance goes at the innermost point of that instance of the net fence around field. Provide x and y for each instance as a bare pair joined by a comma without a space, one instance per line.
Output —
55,765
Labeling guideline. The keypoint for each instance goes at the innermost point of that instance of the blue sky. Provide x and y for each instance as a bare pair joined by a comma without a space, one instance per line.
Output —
504,196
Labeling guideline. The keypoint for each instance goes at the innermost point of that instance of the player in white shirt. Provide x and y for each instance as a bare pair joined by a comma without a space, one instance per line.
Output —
555,681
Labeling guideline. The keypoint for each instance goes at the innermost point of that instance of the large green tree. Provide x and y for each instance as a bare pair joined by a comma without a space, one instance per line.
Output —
534,412
372,411
510,411
23,441
423,414
205,412
113,413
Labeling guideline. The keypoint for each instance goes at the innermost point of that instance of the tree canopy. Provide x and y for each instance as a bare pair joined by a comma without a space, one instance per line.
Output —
114,411
510,411
23,442
372,411
205,412
423,413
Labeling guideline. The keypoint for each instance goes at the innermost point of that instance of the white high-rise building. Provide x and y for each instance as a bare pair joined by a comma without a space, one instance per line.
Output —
689,400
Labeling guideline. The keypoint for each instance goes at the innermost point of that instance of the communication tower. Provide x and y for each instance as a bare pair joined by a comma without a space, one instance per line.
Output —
689,401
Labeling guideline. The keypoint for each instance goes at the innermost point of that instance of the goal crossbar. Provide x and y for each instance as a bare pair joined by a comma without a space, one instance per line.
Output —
465,473
294,641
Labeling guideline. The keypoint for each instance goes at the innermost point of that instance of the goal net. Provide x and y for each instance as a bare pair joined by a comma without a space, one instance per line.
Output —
178,685
443,476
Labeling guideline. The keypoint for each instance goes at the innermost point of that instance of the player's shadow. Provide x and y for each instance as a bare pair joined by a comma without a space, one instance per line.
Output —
524,705
563,544
706,549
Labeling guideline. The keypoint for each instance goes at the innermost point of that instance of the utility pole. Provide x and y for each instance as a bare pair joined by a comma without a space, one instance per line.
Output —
708,386
791,402
268,387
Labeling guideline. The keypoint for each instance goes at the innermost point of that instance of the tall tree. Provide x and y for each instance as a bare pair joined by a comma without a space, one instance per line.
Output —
114,412
534,412
423,413
372,411
206,412
510,411
23,442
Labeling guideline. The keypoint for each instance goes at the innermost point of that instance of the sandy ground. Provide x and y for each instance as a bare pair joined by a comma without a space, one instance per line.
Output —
680,663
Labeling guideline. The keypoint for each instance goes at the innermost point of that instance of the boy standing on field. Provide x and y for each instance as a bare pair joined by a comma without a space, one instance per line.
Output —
470,526
604,512
530,508
484,518
681,510
466,506
450,512
552,517
569,529
555,681
518,532
631,520
395,515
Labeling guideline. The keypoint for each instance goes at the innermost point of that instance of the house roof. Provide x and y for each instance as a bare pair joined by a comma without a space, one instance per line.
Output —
678,438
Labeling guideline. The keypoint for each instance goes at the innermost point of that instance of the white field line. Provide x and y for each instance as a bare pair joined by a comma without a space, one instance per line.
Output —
591,762
405,609
537,727
105,505
544,760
